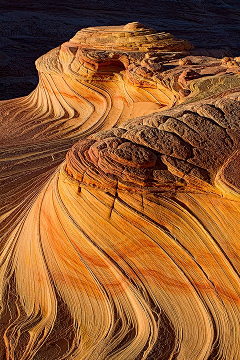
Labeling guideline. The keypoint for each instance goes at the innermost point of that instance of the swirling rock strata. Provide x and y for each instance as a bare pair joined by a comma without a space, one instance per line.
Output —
128,249
104,76
94,81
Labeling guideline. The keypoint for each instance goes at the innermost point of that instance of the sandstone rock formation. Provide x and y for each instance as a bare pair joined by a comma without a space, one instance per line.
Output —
89,83
30,29
129,248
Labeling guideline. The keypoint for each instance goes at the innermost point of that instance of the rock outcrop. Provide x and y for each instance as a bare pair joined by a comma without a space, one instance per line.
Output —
128,249
97,80
30,29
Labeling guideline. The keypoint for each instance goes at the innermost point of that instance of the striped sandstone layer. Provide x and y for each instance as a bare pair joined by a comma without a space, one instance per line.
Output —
129,248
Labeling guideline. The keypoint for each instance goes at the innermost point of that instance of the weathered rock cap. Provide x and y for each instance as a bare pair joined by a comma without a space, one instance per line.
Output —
133,36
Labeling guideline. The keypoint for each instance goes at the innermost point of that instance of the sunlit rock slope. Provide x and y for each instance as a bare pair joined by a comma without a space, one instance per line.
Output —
129,248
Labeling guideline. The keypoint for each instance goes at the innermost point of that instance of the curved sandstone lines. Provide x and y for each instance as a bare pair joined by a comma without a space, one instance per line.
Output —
82,89
129,249
188,225
149,253
89,83
104,76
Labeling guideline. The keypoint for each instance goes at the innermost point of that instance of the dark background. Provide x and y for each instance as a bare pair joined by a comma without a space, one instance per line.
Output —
29,29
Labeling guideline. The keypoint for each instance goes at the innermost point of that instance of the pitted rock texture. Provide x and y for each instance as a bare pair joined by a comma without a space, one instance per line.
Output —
130,37
129,248
191,140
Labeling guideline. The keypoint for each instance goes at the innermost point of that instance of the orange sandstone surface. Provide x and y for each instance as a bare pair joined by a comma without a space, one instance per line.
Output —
120,207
